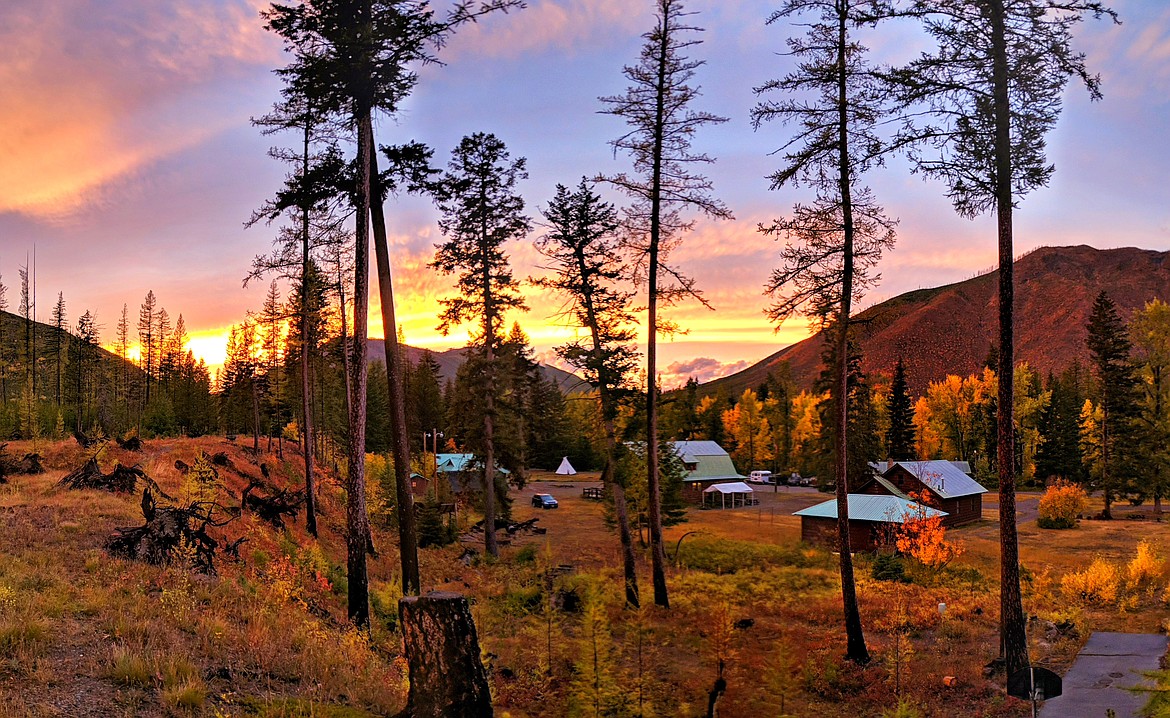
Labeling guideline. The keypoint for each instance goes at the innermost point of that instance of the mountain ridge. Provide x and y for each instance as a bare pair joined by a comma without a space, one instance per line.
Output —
450,360
1055,289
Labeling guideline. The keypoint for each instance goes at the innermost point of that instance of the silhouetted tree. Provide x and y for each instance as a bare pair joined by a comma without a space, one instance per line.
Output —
836,103
481,212
656,107
147,335
583,251
991,91
901,436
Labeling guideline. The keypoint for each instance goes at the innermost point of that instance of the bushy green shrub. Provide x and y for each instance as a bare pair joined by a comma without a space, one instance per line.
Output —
889,567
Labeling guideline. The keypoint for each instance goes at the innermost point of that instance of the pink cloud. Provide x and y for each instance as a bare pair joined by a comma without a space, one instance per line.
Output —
562,24
703,369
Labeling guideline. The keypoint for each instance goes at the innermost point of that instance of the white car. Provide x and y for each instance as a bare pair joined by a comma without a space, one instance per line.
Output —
760,477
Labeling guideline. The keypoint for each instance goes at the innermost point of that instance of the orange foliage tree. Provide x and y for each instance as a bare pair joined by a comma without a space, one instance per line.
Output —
923,538
1061,504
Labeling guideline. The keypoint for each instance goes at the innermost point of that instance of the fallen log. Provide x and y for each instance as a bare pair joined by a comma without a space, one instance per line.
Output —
122,480
273,507
170,533
88,441
182,467
28,464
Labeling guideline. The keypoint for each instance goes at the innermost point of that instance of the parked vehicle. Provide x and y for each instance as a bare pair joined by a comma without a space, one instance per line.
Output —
760,477
544,501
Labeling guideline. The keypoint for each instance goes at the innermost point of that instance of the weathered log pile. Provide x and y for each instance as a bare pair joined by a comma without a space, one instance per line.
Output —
274,506
172,533
122,480
132,444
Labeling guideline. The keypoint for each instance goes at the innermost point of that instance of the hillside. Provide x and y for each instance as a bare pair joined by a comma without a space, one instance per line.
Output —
951,329
449,362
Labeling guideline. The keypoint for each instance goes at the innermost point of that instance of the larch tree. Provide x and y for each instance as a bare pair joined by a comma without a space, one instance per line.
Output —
583,251
900,438
661,124
1149,329
481,213
985,99
1117,391
836,102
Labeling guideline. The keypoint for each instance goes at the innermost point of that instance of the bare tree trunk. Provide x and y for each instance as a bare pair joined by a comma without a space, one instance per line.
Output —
357,518
654,498
855,637
399,441
489,446
306,385
1013,640
255,417
447,677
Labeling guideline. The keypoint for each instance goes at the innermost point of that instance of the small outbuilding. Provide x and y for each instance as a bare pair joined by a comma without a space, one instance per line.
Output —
737,493
873,520
566,469
943,484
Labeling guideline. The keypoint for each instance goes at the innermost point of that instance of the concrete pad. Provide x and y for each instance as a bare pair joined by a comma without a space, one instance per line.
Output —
1108,665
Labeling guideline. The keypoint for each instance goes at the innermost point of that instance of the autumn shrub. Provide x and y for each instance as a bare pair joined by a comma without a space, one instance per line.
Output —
1061,504
1099,583
923,538
1145,567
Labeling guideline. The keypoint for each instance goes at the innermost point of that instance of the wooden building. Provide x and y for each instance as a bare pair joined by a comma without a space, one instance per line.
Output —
873,521
944,485
707,464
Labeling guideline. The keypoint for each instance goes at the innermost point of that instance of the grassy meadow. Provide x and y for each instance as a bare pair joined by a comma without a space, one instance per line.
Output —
84,634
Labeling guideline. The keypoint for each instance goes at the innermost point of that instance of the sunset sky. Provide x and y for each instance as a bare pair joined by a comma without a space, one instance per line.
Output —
128,161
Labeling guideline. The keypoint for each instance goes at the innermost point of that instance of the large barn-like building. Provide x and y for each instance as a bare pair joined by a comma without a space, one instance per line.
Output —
707,464
943,483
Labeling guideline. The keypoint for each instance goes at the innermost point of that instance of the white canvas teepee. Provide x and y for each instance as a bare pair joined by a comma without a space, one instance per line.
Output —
566,469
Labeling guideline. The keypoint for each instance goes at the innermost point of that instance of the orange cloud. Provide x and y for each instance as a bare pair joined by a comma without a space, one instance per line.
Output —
102,92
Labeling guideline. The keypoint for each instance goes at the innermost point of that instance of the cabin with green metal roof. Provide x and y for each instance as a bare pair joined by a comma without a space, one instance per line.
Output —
707,463
873,520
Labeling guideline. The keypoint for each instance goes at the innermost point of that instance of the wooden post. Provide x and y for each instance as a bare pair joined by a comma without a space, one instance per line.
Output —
447,678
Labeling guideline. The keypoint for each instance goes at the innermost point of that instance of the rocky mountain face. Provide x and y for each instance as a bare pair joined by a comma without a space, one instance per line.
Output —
951,329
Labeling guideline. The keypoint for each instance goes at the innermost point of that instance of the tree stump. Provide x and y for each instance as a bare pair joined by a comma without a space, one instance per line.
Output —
447,678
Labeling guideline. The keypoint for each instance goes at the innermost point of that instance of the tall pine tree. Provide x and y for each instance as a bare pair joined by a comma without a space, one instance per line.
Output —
1110,348
901,436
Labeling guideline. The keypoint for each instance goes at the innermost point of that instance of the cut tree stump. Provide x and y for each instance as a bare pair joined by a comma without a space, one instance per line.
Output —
447,678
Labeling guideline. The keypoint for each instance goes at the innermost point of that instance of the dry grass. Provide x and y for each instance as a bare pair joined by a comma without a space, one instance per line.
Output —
83,634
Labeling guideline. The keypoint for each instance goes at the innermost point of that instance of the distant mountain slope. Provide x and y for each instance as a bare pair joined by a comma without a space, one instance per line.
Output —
450,360
951,329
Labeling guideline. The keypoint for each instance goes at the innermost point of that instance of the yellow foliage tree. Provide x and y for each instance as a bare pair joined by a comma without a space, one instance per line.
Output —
746,424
